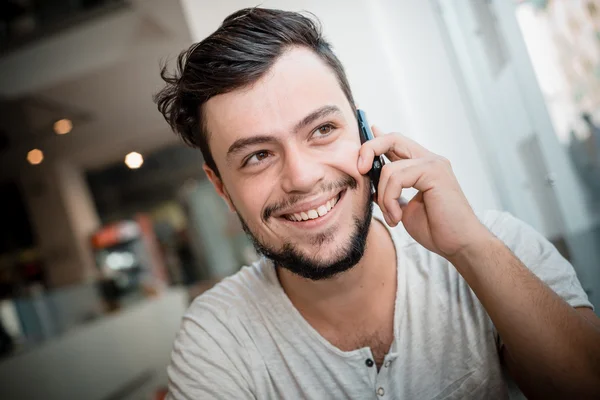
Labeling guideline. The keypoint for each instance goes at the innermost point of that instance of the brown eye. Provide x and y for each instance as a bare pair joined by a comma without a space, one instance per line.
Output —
256,158
324,130
261,155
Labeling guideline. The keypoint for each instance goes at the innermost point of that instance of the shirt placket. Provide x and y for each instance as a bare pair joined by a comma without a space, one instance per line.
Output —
382,379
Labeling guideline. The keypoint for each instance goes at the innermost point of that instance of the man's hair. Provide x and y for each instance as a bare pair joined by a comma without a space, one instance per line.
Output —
236,55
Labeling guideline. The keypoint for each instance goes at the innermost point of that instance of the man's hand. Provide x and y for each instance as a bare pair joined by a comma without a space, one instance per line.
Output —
439,217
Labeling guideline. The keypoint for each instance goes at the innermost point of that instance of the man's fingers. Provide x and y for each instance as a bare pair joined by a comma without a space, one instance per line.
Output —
394,146
366,155
376,131
393,191
420,174
389,171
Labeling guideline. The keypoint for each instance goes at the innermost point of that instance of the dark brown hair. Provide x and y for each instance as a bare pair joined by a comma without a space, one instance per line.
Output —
236,55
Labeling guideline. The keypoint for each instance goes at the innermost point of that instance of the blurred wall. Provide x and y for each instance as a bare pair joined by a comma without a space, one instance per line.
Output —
208,226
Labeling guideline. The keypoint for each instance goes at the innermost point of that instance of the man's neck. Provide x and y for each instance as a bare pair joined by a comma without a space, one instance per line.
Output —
354,295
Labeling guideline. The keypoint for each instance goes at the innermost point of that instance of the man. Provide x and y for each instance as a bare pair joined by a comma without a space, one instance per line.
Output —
422,300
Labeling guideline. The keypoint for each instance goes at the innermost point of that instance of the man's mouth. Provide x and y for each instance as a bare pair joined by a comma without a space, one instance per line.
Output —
314,213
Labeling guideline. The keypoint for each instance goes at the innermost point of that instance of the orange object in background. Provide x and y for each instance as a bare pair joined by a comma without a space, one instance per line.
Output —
113,234
161,394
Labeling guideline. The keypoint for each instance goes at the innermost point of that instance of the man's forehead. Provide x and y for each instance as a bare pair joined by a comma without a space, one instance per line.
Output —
296,85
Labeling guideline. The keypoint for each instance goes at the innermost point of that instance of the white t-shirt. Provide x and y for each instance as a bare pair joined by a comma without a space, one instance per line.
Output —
244,339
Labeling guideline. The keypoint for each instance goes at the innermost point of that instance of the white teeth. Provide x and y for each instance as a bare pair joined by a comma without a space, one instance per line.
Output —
322,210
312,214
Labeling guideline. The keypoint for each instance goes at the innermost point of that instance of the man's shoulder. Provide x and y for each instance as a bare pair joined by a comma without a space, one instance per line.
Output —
211,348
511,230
234,295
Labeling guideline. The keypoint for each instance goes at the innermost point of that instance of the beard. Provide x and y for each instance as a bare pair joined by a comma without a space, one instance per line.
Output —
345,256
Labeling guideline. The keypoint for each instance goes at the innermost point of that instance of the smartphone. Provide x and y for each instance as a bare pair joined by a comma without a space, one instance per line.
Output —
365,133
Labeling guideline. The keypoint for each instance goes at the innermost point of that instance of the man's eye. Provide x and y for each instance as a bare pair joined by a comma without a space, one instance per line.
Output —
261,155
256,158
324,130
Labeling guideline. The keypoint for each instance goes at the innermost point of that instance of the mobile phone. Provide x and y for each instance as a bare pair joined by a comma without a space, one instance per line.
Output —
365,133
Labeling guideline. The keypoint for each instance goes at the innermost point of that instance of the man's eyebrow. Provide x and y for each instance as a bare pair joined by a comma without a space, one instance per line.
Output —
315,115
241,144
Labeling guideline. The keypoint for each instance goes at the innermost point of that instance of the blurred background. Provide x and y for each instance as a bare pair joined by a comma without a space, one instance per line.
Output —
108,227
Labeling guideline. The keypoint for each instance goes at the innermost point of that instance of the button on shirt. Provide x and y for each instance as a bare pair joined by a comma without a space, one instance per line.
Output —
244,339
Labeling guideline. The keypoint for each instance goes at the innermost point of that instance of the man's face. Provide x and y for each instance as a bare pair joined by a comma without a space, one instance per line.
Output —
287,150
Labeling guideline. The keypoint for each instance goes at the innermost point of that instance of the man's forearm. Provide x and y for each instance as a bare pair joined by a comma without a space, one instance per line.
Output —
543,334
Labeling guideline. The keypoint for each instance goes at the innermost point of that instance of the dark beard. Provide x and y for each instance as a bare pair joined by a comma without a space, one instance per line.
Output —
290,258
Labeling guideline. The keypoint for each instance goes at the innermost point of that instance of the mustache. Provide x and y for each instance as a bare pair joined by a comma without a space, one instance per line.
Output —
346,182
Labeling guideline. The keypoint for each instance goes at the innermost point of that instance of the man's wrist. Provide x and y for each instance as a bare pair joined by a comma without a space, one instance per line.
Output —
477,251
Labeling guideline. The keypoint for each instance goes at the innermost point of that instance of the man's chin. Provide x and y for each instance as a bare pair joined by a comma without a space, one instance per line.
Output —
336,258
316,270
322,247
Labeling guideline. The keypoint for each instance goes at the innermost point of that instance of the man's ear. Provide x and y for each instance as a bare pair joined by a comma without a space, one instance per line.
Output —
218,184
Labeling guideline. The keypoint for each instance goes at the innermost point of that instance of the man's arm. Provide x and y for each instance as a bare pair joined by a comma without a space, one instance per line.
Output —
525,381
551,349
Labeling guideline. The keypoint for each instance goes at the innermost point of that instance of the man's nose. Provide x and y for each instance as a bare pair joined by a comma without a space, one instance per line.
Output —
301,172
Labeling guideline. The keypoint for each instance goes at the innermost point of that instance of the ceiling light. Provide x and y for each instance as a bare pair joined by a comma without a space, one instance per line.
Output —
35,156
63,126
134,160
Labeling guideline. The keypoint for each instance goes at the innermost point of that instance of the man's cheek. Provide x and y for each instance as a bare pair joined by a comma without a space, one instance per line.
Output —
243,203
252,202
343,154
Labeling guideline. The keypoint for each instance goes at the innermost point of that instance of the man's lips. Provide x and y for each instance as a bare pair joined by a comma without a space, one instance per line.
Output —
312,209
314,213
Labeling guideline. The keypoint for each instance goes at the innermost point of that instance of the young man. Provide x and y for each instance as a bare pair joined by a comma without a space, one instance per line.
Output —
423,300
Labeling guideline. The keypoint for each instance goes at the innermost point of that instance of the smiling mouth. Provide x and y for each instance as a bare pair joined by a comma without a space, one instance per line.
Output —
314,213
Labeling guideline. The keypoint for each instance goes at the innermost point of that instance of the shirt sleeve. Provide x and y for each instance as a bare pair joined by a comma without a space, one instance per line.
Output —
539,255
203,361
